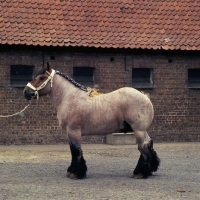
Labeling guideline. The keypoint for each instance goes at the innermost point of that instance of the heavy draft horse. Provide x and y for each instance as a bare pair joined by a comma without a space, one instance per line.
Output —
80,114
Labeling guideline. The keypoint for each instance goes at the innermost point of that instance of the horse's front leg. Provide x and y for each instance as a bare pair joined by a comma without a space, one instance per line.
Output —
78,168
148,161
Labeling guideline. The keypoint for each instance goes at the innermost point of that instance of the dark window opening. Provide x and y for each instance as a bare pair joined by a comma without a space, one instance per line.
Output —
84,75
20,75
194,77
142,77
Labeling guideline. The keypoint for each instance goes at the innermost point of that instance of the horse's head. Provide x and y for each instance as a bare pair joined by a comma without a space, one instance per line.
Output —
41,84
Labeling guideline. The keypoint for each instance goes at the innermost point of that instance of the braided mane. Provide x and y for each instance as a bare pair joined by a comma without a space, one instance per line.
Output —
71,80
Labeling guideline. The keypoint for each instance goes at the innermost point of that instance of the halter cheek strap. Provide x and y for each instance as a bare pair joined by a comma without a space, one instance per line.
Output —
50,78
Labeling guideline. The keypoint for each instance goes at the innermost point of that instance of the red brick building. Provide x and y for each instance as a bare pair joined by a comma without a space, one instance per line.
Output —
151,45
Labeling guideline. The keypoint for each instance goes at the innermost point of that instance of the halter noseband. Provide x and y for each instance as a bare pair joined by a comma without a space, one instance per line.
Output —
50,78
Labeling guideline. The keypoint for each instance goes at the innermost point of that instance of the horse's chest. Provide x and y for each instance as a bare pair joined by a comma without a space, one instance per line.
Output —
70,117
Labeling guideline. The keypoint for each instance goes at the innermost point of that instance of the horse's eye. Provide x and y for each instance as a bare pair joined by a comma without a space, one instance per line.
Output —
41,78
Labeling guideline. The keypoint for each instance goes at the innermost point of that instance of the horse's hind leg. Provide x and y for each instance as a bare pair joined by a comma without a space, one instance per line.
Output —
148,161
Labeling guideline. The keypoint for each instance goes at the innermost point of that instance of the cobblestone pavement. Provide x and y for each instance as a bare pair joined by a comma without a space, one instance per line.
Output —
38,172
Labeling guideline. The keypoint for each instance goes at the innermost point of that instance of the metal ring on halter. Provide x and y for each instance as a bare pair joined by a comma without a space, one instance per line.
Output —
50,78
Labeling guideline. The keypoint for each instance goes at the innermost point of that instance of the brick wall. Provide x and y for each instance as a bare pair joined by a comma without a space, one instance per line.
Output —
177,108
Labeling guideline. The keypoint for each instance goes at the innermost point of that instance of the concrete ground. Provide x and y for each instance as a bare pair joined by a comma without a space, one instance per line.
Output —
39,172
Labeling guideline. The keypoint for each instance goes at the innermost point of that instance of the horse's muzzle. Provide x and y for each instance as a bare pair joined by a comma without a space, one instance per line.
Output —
28,93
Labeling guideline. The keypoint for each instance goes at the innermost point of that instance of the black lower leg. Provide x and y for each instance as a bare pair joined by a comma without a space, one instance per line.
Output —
78,167
147,163
154,159
143,167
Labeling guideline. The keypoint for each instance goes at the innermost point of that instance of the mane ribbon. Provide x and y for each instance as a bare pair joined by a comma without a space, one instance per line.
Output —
50,78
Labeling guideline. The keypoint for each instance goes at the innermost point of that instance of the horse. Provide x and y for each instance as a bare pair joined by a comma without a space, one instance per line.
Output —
80,113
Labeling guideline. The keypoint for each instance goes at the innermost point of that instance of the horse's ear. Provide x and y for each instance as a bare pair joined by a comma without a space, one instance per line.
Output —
48,67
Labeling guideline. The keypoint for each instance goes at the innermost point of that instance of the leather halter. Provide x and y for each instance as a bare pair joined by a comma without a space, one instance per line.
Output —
50,78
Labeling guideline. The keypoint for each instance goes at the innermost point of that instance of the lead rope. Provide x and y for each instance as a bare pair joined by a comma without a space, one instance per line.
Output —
17,112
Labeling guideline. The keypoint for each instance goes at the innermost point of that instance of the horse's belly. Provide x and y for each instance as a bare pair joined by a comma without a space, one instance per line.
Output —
102,127
99,131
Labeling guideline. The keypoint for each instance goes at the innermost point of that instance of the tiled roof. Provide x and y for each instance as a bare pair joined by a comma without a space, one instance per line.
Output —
145,24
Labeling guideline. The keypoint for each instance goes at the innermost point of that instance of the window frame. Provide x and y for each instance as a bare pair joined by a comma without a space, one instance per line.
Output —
191,83
17,82
143,84
86,80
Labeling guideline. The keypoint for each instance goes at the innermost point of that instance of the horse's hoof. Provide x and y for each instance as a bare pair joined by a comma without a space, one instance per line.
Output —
73,176
68,174
138,176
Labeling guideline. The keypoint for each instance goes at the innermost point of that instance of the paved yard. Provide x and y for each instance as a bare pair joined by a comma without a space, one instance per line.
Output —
38,172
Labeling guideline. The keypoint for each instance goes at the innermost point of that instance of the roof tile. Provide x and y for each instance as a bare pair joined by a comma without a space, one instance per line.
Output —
158,24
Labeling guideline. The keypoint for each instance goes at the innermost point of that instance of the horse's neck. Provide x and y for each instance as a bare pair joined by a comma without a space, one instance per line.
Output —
63,90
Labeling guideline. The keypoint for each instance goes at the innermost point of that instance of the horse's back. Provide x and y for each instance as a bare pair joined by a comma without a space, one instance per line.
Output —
125,98
132,96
